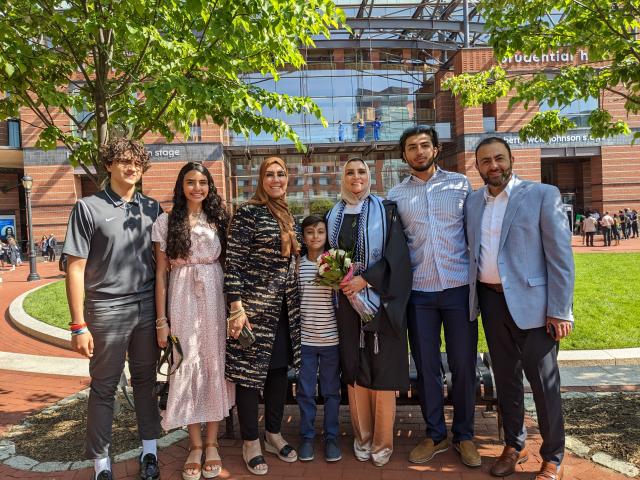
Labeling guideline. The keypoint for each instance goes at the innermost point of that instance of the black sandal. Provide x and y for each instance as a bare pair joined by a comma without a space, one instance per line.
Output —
255,462
283,453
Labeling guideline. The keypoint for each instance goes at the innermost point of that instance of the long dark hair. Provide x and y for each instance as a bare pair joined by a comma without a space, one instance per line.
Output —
179,236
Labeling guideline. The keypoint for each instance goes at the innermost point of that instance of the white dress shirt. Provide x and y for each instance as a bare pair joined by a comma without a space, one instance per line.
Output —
491,231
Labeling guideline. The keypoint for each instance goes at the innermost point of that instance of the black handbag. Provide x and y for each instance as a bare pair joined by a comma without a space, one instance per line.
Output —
170,361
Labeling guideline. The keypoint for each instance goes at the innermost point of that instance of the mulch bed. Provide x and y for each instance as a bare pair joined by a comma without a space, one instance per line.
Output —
59,435
606,423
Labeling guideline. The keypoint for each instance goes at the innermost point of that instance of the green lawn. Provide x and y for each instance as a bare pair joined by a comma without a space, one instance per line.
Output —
49,304
607,306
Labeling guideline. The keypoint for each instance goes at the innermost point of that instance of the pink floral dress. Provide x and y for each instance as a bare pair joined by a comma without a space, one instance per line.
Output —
198,391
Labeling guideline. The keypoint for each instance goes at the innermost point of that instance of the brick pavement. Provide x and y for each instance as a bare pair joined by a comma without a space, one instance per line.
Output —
409,430
23,393
630,245
13,284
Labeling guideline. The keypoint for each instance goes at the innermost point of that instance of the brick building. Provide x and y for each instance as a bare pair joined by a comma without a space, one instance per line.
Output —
396,81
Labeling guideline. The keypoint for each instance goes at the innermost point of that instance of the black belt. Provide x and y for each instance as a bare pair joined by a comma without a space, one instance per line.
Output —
496,287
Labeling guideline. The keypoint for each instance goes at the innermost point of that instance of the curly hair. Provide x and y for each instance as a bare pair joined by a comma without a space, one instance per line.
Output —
179,235
120,147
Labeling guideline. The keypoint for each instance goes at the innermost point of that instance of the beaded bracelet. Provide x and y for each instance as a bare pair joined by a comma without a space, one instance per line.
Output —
79,332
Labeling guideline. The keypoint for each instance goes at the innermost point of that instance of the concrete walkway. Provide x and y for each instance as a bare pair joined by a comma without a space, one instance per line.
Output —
31,379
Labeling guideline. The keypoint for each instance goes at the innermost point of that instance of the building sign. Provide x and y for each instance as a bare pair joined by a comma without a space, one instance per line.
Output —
551,57
165,152
572,138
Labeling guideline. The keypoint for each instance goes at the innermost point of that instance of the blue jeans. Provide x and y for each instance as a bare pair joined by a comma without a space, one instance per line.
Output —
326,361
428,312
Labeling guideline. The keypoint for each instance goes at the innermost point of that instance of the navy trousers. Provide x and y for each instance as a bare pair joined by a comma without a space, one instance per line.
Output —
326,361
428,312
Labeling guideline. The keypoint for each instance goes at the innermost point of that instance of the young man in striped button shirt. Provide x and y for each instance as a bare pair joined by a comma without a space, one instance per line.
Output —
431,206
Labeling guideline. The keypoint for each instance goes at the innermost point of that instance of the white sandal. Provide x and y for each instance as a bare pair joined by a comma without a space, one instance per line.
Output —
214,462
197,467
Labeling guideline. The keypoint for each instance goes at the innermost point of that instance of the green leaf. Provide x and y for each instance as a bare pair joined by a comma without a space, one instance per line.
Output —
9,69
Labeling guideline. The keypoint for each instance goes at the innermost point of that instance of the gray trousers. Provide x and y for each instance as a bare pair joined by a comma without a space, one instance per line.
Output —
533,351
118,330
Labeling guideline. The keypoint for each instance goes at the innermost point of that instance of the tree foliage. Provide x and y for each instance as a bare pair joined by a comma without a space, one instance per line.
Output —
89,68
607,29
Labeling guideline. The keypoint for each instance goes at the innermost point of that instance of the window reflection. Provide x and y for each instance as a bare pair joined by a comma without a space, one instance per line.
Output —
314,182
353,86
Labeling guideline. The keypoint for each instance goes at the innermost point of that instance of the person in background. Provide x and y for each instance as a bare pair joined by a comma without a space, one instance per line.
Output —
362,130
14,252
340,131
320,355
615,229
52,243
44,246
590,227
624,221
606,223
377,125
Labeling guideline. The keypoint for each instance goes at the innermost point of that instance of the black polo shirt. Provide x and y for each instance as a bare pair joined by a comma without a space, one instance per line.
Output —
115,238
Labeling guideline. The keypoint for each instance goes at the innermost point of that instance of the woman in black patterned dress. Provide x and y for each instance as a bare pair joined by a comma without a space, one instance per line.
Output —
261,286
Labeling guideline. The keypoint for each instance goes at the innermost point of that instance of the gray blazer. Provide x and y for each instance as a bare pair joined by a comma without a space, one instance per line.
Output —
535,259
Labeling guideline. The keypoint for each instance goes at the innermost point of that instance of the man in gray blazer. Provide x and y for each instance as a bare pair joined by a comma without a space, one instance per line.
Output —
521,276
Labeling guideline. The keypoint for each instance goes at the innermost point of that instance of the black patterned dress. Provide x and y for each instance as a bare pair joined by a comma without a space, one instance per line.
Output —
257,274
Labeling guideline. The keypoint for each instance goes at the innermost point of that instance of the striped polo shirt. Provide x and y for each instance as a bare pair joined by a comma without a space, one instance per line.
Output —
432,214
318,317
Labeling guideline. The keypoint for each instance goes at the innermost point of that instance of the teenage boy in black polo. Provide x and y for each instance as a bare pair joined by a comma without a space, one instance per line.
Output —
110,286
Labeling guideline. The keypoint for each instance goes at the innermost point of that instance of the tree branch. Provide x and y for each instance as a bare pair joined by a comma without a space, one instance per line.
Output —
630,98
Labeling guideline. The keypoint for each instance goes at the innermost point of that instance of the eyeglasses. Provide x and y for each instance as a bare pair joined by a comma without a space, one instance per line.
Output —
137,164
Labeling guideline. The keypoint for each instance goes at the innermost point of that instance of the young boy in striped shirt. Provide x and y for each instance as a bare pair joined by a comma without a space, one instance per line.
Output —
319,348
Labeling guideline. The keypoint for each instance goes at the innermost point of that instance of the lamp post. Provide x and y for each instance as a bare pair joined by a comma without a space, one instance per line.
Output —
27,183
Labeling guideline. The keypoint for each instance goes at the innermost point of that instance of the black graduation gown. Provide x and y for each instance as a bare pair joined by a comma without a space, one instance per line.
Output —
391,278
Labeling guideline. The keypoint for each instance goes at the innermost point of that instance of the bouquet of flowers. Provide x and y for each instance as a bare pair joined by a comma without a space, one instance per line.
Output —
336,268
333,266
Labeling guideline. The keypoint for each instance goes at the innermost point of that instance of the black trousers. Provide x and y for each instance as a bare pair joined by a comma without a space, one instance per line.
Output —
118,330
275,396
590,238
533,351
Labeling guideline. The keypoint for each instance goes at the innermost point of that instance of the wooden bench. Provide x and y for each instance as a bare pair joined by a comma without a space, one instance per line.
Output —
485,393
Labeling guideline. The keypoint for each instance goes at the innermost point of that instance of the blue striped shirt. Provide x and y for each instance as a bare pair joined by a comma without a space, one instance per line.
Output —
432,214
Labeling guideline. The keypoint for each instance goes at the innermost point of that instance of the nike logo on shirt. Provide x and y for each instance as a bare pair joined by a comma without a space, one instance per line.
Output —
109,219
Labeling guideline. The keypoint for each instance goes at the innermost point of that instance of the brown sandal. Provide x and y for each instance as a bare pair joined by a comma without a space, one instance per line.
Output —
214,463
192,466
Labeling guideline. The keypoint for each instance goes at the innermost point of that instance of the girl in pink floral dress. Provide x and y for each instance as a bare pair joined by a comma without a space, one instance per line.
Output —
190,242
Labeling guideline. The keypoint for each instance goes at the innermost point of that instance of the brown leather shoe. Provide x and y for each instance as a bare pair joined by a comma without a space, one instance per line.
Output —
550,471
507,461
